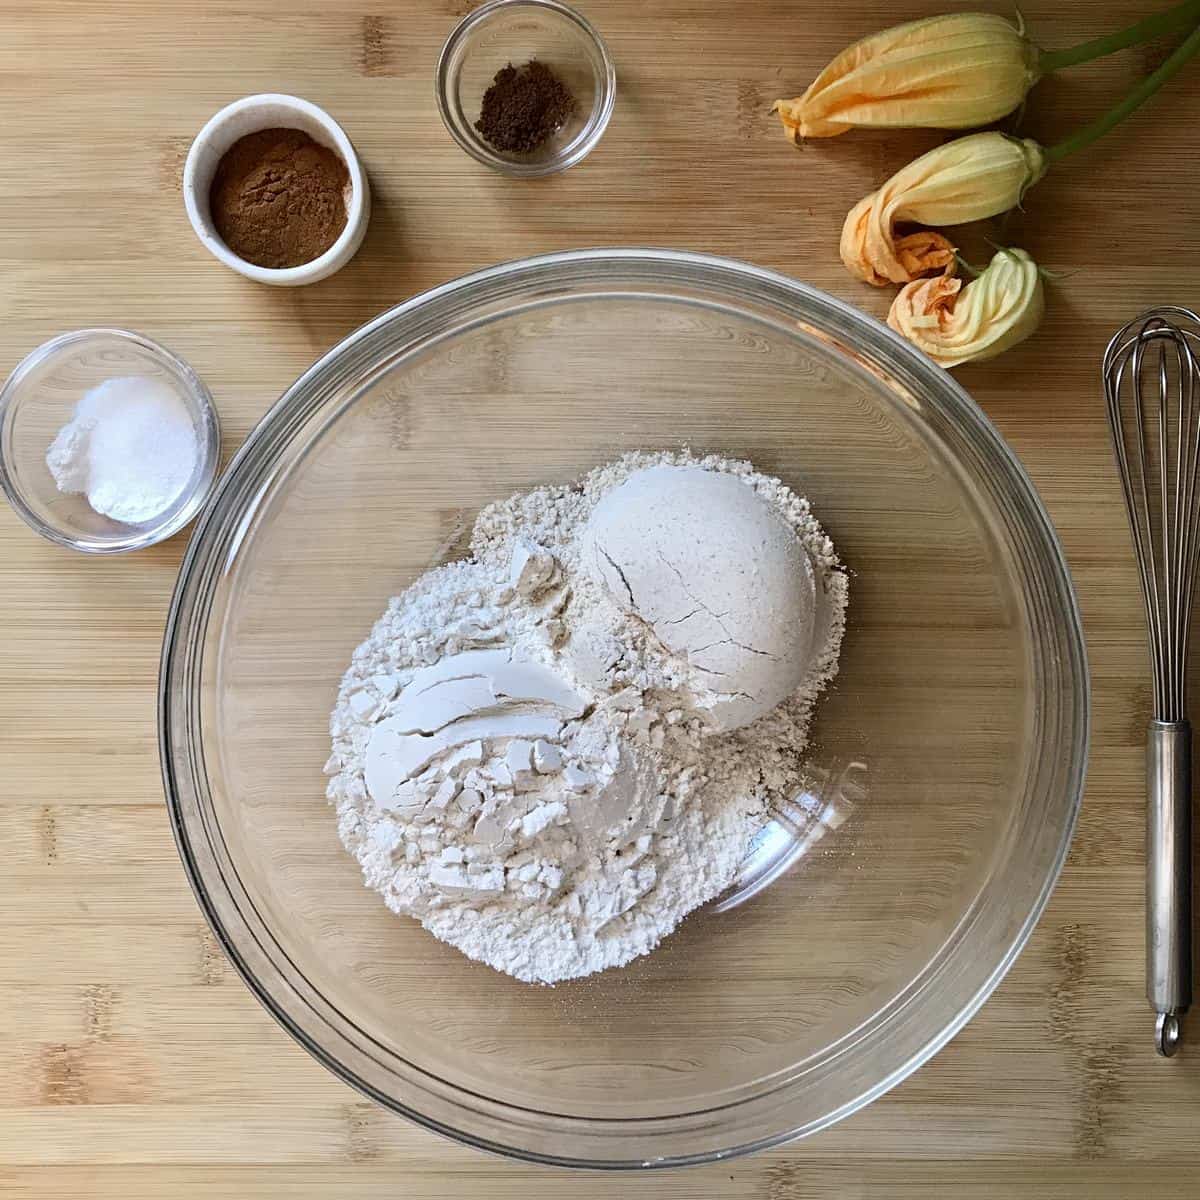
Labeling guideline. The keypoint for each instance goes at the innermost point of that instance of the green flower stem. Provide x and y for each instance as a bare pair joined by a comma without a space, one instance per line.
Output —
1140,94
1182,16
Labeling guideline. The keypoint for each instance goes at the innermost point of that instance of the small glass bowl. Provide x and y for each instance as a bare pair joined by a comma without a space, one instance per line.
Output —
516,31
40,398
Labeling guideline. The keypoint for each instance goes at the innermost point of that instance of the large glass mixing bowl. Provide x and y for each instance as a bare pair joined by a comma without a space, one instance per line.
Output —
952,747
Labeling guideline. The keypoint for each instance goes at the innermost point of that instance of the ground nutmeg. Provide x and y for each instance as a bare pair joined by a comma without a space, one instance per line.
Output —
278,198
523,107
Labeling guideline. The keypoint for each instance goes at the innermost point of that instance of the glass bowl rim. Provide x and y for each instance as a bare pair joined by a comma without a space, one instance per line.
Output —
210,440
598,118
408,325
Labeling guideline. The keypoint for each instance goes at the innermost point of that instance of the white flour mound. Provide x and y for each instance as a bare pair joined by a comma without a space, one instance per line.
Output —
548,769
719,576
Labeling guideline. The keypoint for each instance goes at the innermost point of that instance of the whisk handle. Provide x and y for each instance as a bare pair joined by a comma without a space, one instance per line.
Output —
1169,877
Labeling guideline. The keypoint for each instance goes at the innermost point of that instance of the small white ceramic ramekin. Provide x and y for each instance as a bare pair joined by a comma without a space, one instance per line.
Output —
272,111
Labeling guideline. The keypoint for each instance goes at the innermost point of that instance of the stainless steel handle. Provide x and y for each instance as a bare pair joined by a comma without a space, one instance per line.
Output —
1169,877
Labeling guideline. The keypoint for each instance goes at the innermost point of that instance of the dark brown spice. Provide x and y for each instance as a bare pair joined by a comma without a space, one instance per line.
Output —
278,198
523,107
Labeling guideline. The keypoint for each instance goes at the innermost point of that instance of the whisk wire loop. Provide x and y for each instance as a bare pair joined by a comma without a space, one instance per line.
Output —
1151,375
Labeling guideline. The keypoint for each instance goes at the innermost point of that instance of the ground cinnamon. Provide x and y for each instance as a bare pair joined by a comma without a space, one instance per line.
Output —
523,107
278,198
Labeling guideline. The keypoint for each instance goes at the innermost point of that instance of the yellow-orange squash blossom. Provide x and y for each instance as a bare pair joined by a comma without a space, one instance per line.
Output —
949,72
967,179
954,324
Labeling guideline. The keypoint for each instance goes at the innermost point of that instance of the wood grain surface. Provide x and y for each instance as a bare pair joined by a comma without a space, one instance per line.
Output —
133,1063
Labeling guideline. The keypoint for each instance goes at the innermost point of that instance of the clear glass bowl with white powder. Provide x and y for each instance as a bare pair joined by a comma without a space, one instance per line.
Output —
108,441
947,758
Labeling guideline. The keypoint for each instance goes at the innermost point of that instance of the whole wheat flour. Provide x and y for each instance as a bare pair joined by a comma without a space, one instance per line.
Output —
551,752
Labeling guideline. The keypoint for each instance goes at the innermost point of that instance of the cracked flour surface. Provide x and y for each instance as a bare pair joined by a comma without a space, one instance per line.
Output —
551,752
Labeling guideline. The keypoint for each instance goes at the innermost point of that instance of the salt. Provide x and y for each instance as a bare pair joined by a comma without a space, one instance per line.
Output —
131,448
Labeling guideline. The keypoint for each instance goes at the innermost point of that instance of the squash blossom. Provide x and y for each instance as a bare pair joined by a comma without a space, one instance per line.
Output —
954,324
950,72
967,179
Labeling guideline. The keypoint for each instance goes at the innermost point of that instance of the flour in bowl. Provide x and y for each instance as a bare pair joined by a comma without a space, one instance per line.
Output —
551,752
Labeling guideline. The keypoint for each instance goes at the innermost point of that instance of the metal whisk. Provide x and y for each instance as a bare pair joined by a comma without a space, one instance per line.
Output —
1152,385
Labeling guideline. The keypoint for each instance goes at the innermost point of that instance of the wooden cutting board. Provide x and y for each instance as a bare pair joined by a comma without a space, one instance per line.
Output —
133,1063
